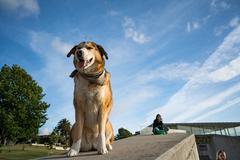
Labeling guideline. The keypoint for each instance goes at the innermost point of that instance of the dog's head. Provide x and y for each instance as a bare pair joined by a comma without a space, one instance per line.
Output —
88,57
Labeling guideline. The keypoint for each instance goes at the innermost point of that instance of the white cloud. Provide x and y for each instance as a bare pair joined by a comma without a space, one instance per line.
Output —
228,104
130,31
22,7
61,46
193,98
194,25
174,71
227,72
44,131
133,97
213,3
216,5
189,27
219,5
54,75
208,103
113,13
224,5
219,30
128,101
234,22
54,61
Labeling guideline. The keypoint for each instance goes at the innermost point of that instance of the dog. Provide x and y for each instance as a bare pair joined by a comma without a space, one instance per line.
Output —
92,100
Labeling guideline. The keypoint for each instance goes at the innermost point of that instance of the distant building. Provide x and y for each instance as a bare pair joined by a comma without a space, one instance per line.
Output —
43,139
210,137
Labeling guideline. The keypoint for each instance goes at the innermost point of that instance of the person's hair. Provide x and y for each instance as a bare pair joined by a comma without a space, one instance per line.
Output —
220,151
158,115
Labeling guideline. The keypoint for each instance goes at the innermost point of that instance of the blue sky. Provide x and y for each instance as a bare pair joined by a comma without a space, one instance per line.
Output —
177,58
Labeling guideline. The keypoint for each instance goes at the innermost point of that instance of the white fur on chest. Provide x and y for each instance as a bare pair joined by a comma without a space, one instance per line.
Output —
91,99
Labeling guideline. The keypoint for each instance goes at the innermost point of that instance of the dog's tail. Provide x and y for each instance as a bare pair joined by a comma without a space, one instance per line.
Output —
112,138
111,133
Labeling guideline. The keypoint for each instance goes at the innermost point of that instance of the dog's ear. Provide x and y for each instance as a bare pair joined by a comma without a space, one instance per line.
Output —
72,51
72,75
102,51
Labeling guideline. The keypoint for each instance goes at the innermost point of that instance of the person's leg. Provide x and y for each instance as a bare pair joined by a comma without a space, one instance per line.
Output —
165,129
161,131
157,130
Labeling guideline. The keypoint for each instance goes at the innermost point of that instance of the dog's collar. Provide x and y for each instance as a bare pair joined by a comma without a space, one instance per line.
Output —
97,78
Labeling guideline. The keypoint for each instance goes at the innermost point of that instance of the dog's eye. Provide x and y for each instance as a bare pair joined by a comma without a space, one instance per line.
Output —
89,48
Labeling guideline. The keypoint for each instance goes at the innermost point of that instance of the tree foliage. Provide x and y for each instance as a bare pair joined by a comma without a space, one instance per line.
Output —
53,138
123,133
22,109
62,131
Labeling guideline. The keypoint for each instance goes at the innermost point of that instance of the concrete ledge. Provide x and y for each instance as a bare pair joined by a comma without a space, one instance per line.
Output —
185,150
161,147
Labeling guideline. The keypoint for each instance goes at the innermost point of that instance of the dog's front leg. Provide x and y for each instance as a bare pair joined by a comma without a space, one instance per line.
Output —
102,119
76,133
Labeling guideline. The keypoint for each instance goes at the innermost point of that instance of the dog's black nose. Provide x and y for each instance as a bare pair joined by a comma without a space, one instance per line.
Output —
80,53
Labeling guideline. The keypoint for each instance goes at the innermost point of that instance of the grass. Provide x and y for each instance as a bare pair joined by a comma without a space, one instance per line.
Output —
16,152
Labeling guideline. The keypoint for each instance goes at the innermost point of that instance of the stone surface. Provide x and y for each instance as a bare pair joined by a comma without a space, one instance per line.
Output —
142,148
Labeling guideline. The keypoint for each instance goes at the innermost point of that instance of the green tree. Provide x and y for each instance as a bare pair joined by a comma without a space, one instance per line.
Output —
53,138
123,133
22,109
63,129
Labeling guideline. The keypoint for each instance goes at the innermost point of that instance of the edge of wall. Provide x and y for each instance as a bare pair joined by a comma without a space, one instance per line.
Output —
184,150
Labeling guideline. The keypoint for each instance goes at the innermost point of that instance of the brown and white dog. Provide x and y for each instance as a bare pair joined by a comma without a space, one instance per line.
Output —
92,100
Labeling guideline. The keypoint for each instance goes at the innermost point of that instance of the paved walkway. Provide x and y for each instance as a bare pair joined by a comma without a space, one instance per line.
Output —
133,148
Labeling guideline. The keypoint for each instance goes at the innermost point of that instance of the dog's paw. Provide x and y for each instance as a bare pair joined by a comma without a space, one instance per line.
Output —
102,150
72,152
109,147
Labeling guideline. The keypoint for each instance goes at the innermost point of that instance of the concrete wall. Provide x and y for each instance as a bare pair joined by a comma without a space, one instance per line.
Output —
185,150
213,143
231,145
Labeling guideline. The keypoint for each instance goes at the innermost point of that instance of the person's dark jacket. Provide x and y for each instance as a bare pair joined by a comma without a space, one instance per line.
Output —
157,124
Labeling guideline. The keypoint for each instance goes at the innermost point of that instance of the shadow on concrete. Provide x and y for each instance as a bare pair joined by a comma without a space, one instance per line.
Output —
63,156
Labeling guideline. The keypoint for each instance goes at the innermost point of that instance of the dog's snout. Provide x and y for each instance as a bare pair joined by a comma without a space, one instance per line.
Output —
80,53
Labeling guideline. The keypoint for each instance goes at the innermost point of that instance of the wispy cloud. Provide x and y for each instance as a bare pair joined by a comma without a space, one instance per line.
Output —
54,61
197,24
227,72
127,103
228,104
219,5
216,6
60,46
175,71
234,22
219,30
54,75
213,102
133,97
130,31
193,97
44,131
192,26
22,7
113,13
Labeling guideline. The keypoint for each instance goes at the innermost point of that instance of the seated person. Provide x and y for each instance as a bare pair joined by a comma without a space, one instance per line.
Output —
158,127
